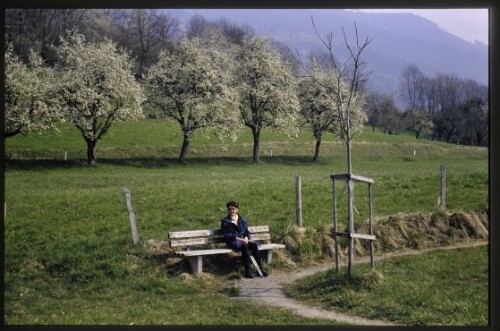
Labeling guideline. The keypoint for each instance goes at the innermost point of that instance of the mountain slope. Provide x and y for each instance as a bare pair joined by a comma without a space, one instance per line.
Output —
398,39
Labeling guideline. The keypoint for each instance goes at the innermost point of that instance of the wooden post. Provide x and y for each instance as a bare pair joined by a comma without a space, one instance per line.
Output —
350,193
350,179
442,205
65,154
131,215
372,257
298,201
335,227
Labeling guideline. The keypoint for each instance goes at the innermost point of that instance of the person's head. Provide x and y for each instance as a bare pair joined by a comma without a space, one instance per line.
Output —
232,207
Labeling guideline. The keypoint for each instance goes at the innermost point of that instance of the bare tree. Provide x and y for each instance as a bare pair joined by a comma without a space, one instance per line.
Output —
390,119
149,31
411,87
346,90
199,26
40,29
373,109
348,79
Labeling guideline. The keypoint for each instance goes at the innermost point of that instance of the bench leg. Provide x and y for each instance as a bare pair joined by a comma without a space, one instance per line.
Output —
268,255
195,264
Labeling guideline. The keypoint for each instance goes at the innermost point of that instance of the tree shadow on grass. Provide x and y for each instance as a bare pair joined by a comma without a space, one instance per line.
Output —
155,163
43,164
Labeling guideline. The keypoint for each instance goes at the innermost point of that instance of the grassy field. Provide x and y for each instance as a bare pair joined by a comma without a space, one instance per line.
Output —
444,287
68,252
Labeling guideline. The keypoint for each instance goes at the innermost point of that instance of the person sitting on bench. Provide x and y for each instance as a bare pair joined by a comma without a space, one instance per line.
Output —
235,230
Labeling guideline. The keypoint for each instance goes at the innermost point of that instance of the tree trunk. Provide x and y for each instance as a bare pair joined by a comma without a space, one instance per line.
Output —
256,144
185,148
91,145
316,151
479,138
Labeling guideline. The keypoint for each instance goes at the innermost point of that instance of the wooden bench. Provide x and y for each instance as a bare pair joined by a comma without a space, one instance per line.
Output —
200,239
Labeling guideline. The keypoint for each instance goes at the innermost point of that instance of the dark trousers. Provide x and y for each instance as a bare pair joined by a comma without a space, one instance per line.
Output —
246,250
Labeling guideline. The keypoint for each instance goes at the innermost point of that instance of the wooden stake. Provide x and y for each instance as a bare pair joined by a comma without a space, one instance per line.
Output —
372,256
131,215
298,201
335,227
442,205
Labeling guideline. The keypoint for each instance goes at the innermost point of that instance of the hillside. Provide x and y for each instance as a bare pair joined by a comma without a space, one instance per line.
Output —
69,258
398,39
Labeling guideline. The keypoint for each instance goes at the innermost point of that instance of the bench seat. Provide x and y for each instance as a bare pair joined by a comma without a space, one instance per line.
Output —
203,238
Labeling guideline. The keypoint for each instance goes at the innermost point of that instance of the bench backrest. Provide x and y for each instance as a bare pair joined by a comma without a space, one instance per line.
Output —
212,236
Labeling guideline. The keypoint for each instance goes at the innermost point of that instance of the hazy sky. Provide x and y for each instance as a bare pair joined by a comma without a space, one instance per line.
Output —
469,24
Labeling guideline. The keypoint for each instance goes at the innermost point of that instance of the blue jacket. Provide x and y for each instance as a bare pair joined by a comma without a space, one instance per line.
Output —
231,231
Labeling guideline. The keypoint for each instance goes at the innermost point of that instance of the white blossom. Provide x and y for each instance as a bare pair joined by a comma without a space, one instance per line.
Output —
192,85
267,90
29,98
97,87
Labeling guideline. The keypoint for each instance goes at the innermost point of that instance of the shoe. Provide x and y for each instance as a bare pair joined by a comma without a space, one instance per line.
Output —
248,274
262,271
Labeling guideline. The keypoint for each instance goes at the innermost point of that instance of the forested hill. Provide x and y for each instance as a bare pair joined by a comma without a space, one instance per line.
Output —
398,39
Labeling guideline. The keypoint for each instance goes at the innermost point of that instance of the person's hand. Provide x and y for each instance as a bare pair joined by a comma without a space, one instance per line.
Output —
244,240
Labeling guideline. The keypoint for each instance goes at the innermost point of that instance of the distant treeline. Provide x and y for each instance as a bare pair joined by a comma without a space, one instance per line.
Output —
444,107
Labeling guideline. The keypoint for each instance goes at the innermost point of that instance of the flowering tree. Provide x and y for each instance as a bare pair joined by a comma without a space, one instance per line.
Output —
192,85
97,87
267,90
29,98
317,107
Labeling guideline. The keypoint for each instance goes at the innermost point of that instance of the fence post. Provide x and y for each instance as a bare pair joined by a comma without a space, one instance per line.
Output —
131,215
298,201
335,226
372,256
442,204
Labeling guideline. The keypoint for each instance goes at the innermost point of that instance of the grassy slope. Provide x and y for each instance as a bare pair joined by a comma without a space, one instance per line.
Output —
67,227
444,287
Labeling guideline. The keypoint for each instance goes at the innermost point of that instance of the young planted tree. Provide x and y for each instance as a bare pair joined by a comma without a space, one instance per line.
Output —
97,87
347,79
192,85
29,98
267,90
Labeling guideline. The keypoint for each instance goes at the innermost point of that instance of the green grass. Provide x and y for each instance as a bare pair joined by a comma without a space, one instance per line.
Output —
159,138
445,287
67,237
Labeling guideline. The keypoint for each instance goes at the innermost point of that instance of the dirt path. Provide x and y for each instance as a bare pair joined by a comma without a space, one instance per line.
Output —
270,290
